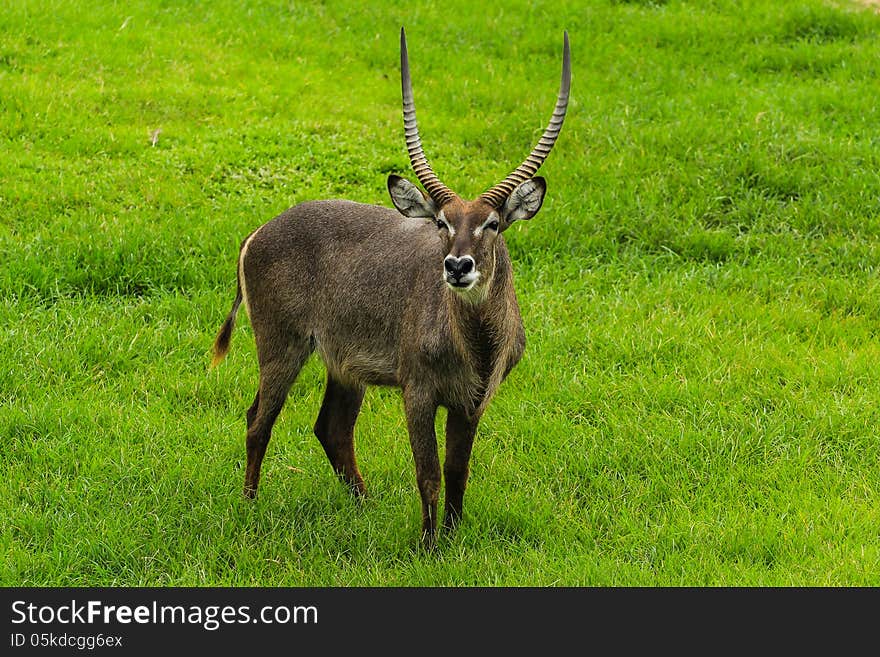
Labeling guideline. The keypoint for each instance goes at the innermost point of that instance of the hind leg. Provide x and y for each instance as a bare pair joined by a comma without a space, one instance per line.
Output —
276,377
335,429
252,411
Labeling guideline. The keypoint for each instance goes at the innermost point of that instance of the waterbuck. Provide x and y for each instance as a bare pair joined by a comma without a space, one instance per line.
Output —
420,298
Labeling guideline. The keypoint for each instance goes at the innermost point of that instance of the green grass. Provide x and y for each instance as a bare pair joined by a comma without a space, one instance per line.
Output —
699,400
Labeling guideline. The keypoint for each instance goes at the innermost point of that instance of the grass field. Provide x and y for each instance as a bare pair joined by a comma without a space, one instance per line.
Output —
699,400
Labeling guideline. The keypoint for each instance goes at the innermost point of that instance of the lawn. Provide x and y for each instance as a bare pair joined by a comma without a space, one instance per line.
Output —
698,402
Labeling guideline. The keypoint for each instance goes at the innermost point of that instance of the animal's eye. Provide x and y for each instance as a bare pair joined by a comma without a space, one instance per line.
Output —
492,226
441,224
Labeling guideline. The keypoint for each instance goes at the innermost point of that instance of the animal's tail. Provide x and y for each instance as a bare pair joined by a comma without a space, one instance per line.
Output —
224,335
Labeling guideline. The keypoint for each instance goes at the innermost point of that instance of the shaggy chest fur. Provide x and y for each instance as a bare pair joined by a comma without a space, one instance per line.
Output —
469,355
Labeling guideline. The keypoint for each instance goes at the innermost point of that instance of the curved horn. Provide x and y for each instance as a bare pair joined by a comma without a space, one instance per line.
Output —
436,189
499,193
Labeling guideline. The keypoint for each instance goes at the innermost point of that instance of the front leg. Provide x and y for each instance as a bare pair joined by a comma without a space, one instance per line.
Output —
460,431
421,410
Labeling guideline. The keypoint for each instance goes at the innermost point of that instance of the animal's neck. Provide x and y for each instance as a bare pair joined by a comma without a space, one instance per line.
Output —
487,308
484,329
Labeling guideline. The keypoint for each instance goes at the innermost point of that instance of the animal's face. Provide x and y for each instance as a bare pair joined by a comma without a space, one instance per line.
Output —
468,232
468,229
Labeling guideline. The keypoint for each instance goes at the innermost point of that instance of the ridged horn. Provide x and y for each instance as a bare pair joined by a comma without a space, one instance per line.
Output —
436,189
499,193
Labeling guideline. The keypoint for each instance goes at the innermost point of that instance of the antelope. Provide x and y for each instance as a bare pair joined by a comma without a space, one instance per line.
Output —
420,298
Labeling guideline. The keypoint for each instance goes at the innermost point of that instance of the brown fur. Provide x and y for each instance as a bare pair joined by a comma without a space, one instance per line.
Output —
363,285
224,336
421,299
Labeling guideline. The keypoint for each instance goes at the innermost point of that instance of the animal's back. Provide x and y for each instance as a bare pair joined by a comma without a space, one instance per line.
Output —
338,273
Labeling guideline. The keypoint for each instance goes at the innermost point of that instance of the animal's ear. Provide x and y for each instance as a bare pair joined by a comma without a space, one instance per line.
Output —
410,200
524,201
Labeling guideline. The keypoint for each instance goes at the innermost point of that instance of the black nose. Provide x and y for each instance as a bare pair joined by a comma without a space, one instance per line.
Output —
458,267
